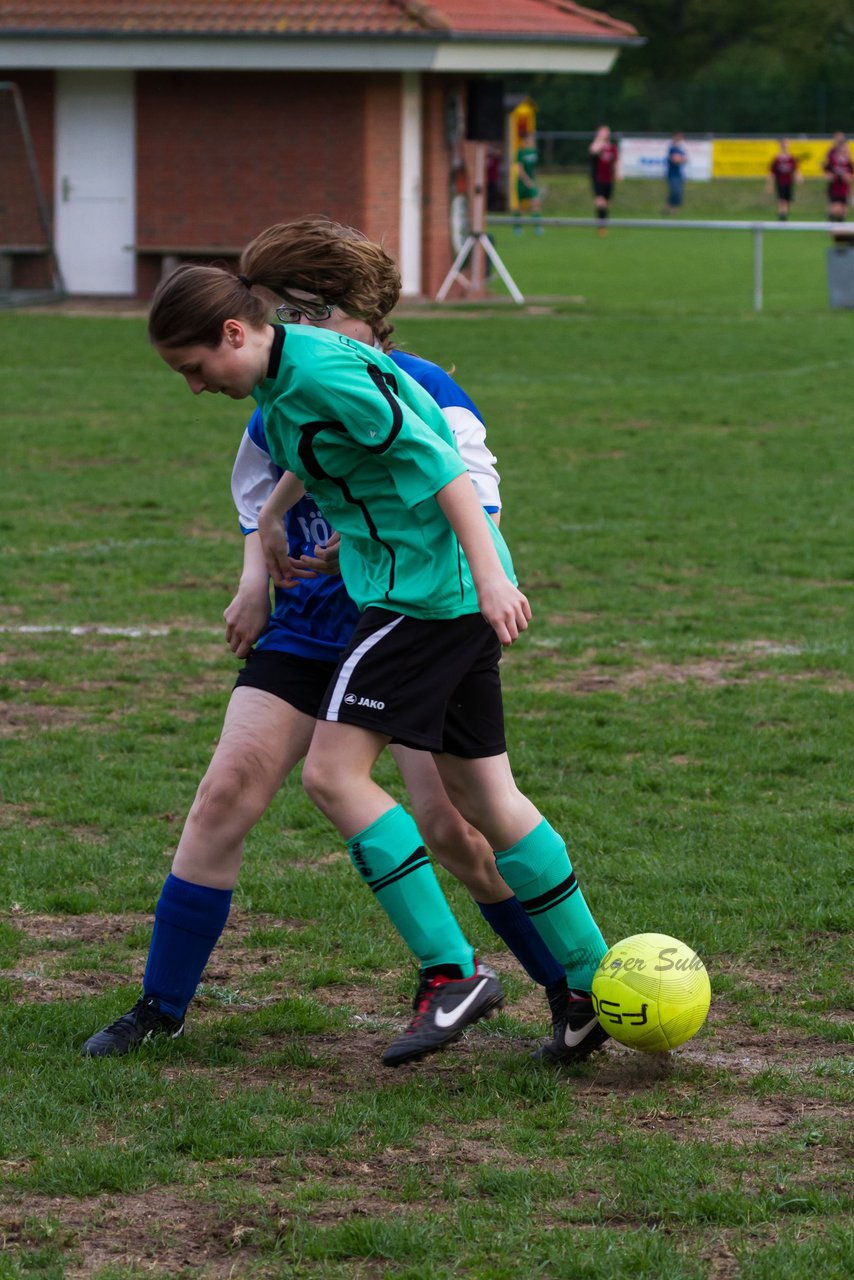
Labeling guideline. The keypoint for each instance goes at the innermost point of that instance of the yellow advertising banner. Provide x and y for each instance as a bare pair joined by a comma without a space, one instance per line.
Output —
751,157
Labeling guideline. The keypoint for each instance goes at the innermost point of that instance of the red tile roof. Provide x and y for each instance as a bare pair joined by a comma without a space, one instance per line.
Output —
545,19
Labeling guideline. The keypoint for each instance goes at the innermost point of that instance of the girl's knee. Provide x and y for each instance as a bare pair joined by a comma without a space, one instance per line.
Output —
468,856
317,784
448,835
226,793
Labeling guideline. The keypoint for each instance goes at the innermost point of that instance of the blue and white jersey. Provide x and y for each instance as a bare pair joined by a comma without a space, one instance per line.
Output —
314,619
463,419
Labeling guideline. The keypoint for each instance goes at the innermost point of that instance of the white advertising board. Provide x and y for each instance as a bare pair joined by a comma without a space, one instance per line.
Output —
647,157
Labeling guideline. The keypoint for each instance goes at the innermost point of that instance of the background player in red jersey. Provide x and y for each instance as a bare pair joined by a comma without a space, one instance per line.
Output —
840,170
783,174
604,171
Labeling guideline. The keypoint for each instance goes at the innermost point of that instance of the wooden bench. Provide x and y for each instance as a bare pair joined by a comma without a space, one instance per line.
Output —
8,253
172,255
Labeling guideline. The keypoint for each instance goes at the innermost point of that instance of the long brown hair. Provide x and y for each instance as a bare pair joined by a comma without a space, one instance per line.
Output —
191,306
338,264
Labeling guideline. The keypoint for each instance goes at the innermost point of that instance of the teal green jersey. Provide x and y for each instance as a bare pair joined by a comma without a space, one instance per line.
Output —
374,449
527,159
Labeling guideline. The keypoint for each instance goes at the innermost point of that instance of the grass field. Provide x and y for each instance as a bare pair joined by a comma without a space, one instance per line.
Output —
677,480
679,271
566,194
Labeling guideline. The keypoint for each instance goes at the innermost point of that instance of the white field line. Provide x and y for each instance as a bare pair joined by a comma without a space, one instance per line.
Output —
95,629
769,647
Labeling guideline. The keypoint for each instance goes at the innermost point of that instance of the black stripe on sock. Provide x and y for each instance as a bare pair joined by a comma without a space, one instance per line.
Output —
545,901
553,903
415,861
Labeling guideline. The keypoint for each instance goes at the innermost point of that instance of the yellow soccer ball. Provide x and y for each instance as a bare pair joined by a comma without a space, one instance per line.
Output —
651,992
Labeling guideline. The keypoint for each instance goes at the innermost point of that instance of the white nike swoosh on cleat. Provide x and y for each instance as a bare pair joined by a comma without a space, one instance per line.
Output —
445,1020
572,1039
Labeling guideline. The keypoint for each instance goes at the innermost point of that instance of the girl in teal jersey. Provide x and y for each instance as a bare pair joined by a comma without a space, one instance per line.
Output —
432,576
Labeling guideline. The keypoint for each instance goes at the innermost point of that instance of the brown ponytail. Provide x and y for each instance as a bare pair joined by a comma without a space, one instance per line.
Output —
190,307
338,264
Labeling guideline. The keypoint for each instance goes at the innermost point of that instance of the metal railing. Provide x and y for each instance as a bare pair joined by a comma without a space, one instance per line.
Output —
841,233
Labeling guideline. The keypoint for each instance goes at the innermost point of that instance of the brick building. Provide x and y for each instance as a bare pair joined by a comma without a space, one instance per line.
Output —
162,131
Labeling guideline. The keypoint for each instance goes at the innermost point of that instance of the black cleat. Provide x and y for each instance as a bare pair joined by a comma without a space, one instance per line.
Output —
576,1031
142,1023
444,1007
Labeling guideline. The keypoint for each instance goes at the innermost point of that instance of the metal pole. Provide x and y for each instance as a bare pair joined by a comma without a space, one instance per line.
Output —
41,202
478,210
757,268
455,268
492,253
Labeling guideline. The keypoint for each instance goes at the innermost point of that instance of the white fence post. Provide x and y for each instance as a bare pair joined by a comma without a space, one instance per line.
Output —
757,268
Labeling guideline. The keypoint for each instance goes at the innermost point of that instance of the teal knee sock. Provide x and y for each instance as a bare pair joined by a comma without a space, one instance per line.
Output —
390,857
539,872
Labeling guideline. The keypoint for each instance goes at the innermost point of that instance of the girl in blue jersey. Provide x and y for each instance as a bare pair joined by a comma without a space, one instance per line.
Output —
291,655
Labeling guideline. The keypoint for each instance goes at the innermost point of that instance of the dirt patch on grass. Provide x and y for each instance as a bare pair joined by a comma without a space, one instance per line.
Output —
161,1232
59,931
712,672
43,971
18,719
735,665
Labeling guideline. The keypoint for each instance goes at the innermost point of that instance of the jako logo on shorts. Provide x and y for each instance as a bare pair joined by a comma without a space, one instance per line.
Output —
353,700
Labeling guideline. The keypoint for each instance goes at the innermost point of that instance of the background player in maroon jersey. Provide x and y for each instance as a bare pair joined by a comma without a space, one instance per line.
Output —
783,174
604,171
839,169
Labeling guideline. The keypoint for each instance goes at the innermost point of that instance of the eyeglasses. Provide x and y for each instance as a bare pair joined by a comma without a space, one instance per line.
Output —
313,311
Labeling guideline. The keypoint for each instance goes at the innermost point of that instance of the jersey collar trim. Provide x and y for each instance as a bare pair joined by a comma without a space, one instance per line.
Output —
276,350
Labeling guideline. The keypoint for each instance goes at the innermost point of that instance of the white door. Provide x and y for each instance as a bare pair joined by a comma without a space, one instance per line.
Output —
95,203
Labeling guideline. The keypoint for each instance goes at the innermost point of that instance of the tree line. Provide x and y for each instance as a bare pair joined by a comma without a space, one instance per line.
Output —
715,66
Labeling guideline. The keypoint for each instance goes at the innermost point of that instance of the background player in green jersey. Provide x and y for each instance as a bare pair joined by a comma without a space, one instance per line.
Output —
431,574
527,188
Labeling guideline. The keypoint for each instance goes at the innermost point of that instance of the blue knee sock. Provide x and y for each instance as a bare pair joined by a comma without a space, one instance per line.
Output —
512,923
187,924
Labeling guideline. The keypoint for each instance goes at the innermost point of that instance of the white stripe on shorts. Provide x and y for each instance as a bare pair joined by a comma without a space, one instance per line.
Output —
352,662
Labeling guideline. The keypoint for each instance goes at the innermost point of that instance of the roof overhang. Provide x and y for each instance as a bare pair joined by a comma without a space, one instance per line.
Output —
591,56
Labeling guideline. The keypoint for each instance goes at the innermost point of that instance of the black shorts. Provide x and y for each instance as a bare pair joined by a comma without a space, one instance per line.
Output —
784,192
428,684
300,681
603,189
